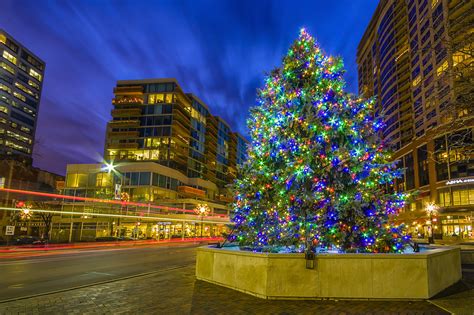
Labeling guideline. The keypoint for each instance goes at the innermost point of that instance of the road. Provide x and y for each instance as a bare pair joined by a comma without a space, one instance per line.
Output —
70,269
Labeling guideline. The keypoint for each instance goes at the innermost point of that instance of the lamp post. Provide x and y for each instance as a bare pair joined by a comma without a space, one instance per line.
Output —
118,194
202,210
431,209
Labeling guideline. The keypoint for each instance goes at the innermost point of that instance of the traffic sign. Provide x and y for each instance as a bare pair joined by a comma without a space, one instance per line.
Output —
10,230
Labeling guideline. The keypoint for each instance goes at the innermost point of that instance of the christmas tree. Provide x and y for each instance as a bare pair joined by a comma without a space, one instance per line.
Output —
317,174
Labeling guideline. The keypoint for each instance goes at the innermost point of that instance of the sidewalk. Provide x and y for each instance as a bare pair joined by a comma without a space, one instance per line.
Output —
177,292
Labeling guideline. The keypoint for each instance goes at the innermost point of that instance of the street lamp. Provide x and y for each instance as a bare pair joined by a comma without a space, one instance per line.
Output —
118,194
202,210
109,167
431,209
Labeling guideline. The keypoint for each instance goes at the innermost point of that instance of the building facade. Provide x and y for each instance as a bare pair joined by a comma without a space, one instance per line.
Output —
416,58
154,120
166,149
21,81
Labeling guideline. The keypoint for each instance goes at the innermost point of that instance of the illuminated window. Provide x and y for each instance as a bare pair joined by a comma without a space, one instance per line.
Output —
3,109
7,67
9,57
5,88
434,3
169,98
156,98
35,75
76,180
460,56
18,137
197,115
17,146
25,89
103,180
19,96
442,68
417,80
34,84
29,111
3,39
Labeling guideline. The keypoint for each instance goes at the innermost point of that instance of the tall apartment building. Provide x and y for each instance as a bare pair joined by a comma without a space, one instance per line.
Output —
21,81
167,149
416,57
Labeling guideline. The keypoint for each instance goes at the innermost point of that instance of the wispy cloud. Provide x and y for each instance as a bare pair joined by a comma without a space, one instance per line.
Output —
218,50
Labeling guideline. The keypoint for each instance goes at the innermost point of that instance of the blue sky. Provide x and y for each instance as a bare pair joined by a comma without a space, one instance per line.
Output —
219,50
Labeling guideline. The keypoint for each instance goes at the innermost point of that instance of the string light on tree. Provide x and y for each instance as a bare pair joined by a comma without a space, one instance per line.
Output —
317,173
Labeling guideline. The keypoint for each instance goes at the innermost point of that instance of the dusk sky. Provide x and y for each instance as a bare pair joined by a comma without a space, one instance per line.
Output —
219,50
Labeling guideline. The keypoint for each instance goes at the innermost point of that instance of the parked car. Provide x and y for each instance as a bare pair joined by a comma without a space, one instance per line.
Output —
27,240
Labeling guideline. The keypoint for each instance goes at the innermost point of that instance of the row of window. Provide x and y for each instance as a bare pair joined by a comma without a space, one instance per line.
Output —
83,180
11,58
456,196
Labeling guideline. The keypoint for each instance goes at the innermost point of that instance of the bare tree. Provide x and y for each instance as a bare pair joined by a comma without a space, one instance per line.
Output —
45,217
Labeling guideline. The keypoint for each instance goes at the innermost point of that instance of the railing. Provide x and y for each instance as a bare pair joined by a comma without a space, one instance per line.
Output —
191,191
126,112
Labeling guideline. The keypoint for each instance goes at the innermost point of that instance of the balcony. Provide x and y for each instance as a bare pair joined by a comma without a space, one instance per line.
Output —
128,90
123,134
128,100
126,112
122,146
124,123
191,191
224,198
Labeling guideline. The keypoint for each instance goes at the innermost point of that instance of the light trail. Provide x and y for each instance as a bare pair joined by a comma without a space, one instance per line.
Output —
116,202
93,214
18,252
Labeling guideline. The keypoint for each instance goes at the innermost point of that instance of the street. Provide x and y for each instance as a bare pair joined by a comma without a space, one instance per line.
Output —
70,269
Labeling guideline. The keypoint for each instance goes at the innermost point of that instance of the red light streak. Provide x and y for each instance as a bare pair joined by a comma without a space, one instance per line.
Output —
57,249
117,202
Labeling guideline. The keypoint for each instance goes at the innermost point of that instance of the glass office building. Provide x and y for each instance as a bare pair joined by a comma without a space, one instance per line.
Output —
21,81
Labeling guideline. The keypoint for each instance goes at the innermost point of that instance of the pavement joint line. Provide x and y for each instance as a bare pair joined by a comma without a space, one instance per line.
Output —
441,307
144,274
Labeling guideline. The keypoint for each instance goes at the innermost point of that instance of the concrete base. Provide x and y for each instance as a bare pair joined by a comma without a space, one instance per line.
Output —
351,276
467,256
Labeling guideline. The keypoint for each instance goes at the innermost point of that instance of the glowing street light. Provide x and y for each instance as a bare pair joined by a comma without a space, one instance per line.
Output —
25,214
202,210
109,167
431,209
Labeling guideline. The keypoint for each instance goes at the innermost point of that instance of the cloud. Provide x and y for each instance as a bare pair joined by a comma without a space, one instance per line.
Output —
218,50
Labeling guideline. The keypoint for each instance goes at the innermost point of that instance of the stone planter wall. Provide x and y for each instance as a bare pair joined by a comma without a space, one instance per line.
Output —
352,276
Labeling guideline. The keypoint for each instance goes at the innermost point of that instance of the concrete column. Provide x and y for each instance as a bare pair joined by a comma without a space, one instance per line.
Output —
82,227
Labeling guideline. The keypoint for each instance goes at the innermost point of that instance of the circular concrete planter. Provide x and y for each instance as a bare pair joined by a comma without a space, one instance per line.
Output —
351,276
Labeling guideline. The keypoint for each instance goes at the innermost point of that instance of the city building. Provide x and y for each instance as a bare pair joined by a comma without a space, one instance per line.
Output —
21,81
22,176
163,147
416,58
